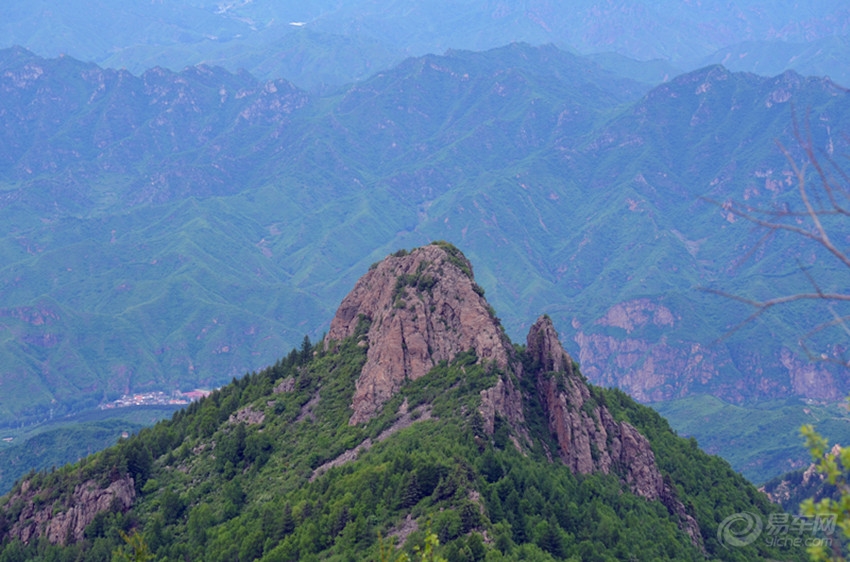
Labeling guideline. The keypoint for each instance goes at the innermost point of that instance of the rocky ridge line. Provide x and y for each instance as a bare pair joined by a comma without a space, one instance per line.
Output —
589,438
415,310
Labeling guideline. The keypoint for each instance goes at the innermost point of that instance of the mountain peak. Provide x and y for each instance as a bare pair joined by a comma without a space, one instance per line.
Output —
545,349
414,310
448,451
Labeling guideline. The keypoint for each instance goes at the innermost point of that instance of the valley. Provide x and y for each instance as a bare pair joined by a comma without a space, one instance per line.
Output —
53,443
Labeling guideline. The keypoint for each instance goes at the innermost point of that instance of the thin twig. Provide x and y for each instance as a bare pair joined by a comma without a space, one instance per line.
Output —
816,208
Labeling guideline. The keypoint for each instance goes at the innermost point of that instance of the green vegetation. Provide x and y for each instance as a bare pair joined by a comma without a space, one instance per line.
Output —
136,549
188,247
212,489
68,440
834,466
761,441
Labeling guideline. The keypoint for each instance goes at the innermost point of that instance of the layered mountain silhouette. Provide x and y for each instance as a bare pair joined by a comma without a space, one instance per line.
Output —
325,43
174,230
415,416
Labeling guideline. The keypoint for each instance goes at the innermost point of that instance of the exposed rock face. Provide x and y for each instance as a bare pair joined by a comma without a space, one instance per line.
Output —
808,379
286,385
653,369
415,310
589,438
422,308
67,523
248,416
637,313
503,400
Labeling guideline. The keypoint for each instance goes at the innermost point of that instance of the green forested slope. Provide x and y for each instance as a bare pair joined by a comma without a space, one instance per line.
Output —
214,490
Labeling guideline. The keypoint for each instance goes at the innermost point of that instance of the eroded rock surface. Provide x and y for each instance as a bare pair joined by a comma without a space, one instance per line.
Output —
64,522
421,308
589,438
503,400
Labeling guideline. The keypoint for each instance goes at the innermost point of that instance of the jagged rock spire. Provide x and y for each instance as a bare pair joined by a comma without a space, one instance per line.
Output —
545,348
589,438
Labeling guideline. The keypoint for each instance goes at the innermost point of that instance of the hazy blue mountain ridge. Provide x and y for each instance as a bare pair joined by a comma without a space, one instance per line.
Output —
326,43
711,125
138,164
821,57
180,229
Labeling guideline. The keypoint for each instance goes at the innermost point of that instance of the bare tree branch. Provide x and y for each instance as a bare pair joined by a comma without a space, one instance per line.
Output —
823,201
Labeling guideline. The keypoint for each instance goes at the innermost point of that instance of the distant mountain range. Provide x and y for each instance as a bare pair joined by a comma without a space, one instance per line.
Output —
153,189
321,44
173,230
820,57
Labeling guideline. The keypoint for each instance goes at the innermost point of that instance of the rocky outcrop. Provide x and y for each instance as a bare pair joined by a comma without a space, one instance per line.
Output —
589,438
415,310
502,400
686,521
545,348
64,521
654,368
792,488
286,385
247,415
421,308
